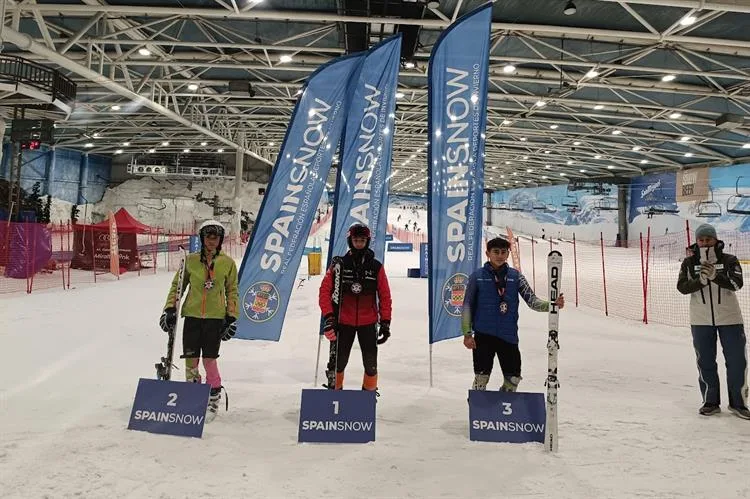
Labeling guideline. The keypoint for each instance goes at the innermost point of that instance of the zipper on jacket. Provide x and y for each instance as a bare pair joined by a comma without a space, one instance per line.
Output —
711,301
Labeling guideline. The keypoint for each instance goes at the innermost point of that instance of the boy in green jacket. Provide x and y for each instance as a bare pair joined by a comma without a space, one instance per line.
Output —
210,308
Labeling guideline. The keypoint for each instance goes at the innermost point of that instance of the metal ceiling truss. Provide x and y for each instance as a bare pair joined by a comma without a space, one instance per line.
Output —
578,103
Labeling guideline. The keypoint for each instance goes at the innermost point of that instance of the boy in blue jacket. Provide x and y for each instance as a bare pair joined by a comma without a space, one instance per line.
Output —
489,319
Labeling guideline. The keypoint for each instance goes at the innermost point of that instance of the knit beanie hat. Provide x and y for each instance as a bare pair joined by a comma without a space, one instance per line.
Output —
705,230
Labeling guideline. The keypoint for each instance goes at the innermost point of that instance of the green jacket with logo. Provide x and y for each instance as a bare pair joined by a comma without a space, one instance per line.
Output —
220,300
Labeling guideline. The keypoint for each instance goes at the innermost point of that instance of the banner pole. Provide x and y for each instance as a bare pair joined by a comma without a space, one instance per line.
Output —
430,365
317,362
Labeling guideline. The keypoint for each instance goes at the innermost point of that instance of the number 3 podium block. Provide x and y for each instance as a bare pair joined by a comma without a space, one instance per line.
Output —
506,417
337,416
170,407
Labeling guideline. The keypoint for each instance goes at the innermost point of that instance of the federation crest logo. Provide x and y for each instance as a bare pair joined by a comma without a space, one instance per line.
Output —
356,288
261,301
453,294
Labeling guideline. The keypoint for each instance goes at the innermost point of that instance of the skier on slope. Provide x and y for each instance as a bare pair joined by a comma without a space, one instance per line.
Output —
210,308
365,301
489,319
711,278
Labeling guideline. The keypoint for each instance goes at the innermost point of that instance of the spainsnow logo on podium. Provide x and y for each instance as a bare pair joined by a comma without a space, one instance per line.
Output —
506,417
170,407
337,416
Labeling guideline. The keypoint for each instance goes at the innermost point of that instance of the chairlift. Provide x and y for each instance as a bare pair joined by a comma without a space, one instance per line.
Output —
709,209
658,209
570,202
503,206
550,208
735,203
607,204
514,207
538,205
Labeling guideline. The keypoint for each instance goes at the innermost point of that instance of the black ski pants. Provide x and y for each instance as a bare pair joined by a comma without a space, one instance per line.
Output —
488,347
342,348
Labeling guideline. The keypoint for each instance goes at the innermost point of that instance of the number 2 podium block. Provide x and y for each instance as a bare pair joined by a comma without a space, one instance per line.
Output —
170,407
506,416
337,416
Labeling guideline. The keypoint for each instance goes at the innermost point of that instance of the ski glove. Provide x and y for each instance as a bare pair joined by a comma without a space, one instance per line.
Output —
168,319
328,330
385,332
707,273
230,328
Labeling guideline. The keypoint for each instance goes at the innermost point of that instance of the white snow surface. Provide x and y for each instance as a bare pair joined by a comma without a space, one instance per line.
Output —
627,405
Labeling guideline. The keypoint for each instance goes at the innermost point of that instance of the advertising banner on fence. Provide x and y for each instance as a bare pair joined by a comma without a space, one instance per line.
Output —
692,184
114,250
457,115
362,182
273,255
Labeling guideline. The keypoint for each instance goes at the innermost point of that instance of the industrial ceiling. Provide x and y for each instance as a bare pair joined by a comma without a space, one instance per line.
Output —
582,89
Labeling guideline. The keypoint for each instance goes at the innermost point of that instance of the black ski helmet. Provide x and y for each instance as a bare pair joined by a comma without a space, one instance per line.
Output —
358,230
211,228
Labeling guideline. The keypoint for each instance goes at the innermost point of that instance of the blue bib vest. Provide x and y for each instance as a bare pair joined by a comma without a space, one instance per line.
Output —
487,318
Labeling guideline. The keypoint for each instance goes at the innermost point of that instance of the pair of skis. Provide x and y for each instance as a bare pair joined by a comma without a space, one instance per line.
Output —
332,365
164,366
554,278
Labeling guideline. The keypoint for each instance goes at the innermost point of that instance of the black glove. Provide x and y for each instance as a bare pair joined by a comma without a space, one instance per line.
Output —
329,330
168,319
385,332
230,328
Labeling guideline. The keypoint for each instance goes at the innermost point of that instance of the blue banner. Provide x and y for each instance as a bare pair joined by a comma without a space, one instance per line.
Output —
170,407
286,215
457,115
653,194
337,416
362,182
514,417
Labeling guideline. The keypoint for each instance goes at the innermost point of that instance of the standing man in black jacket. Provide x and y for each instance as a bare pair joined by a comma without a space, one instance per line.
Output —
711,278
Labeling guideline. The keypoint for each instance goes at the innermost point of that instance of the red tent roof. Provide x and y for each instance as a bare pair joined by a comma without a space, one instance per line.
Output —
125,223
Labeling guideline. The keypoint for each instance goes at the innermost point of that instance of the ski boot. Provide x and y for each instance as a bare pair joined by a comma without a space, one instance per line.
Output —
331,377
214,400
510,384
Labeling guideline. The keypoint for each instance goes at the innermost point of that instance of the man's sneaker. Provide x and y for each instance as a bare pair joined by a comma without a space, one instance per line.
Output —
709,410
740,412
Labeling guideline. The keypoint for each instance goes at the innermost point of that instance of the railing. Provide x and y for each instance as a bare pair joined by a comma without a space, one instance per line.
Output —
20,70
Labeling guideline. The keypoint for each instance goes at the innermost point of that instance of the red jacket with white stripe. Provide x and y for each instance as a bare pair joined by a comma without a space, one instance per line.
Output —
365,294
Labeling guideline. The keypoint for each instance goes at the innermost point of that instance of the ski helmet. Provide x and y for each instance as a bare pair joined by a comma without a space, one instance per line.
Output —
358,230
211,228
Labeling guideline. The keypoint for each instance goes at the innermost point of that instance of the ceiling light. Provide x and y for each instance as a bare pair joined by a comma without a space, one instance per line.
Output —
582,170
89,144
675,115
152,150
116,108
126,144
570,162
272,143
644,161
547,152
668,78
599,107
637,148
570,8
220,150
193,86
285,58
144,51
746,146
119,151
688,20
610,167
544,176
409,65
598,156
399,95
509,68
540,103
186,150
562,174
165,143
616,132
204,143
96,135
684,138
547,166
553,127
523,139
592,73
688,155
525,158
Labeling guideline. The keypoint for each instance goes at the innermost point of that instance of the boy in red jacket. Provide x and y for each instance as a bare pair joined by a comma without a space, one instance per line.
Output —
365,300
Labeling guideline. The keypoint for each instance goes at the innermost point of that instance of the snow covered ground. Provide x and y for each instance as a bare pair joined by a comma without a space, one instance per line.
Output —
628,409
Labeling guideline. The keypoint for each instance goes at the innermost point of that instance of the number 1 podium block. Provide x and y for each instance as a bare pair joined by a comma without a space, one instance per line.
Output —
513,417
337,416
170,407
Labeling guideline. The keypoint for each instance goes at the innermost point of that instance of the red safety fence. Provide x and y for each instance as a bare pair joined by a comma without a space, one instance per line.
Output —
637,282
407,236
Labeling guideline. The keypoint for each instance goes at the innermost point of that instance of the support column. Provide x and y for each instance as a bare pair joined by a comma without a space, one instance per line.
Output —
83,179
488,206
3,173
237,200
622,213
49,170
